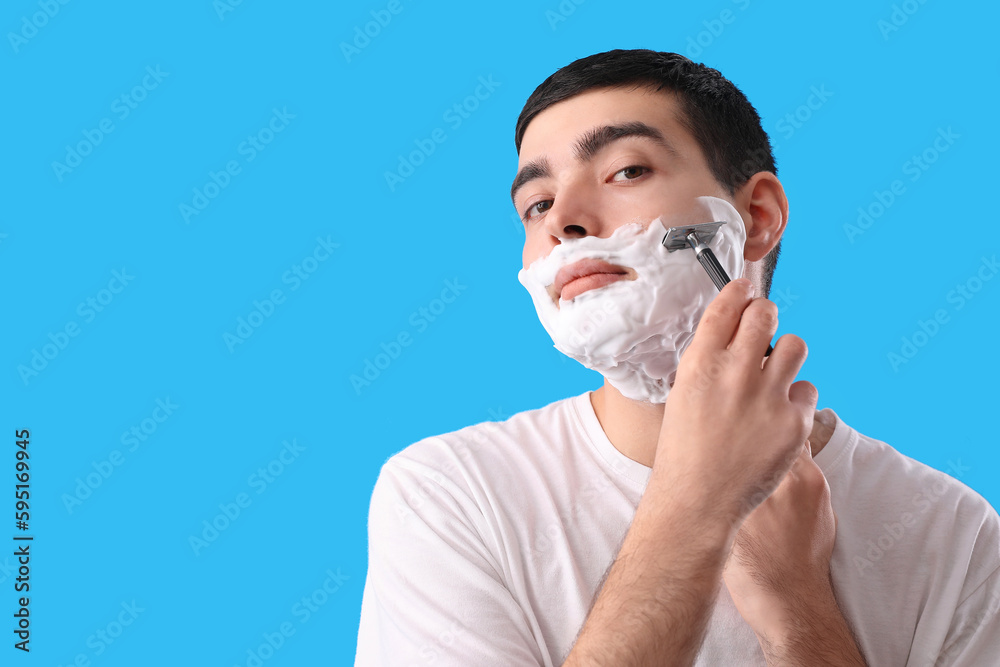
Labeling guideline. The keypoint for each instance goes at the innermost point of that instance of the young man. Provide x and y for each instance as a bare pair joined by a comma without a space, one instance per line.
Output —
732,524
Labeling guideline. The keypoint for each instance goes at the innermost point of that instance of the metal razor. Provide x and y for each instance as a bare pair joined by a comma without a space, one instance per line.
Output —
697,237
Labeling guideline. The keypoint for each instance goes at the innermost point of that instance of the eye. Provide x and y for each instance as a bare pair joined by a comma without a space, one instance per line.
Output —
632,172
527,213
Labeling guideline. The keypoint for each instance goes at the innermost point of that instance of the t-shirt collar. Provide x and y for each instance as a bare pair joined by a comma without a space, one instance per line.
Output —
844,439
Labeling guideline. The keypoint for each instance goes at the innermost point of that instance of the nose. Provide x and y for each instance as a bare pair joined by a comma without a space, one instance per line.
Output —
573,213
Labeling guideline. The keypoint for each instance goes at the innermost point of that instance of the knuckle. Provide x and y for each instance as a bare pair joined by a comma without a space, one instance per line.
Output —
720,313
815,482
799,422
709,320
727,305
766,308
703,368
760,319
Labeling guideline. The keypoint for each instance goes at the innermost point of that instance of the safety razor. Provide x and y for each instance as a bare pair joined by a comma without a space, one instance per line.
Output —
697,237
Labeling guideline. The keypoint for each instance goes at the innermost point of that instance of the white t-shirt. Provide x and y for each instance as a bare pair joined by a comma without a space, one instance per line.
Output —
487,546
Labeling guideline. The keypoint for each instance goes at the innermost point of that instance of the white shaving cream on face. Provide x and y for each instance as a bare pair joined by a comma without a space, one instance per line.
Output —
634,331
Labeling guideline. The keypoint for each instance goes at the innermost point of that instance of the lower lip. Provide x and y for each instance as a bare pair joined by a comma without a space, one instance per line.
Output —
593,281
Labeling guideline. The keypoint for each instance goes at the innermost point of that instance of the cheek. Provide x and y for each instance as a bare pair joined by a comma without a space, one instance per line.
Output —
645,204
527,255
532,250
632,199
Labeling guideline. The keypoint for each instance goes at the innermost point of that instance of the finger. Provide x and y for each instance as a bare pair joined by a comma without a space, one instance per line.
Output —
722,317
804,394
786,360
756,328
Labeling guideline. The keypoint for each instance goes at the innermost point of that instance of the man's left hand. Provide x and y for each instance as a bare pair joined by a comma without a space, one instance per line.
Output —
778,571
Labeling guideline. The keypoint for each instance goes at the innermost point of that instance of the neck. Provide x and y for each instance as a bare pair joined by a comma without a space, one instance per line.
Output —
633,427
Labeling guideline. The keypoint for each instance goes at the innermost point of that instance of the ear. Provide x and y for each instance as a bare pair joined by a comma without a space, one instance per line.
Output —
764,207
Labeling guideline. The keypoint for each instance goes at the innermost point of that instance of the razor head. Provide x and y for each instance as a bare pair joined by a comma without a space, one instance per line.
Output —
677,237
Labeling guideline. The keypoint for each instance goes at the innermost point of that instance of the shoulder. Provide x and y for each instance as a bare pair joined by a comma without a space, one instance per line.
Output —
487,454
881,469
890,499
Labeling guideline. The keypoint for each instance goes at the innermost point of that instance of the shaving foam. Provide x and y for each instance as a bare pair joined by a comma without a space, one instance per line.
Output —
633,332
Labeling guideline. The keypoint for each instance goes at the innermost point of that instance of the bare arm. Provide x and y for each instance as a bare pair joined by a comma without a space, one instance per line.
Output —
814,633
779,576
657,599
731,430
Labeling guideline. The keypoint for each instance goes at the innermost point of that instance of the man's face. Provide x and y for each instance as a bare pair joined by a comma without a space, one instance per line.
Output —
579,176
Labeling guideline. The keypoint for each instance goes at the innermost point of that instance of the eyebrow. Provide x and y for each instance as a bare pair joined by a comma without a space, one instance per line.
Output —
589,145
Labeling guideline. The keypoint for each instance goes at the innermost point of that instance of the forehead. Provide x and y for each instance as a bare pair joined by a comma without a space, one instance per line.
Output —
555,130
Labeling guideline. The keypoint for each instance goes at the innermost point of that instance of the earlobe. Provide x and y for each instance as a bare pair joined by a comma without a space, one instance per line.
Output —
765,207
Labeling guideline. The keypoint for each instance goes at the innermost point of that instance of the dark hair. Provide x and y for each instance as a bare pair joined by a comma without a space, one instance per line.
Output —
715,112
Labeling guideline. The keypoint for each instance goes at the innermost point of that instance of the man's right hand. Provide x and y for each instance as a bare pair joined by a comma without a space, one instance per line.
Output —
733,425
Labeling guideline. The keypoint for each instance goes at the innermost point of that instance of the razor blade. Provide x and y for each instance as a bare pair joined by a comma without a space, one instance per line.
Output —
697,237
677,237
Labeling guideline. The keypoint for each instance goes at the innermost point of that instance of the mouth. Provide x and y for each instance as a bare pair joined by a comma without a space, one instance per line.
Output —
584,275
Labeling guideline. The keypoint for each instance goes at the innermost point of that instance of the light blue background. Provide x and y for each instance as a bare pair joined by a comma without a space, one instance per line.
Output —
484,357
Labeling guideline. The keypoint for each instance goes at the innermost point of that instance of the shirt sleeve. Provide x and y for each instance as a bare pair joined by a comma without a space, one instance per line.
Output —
434,593
974,636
